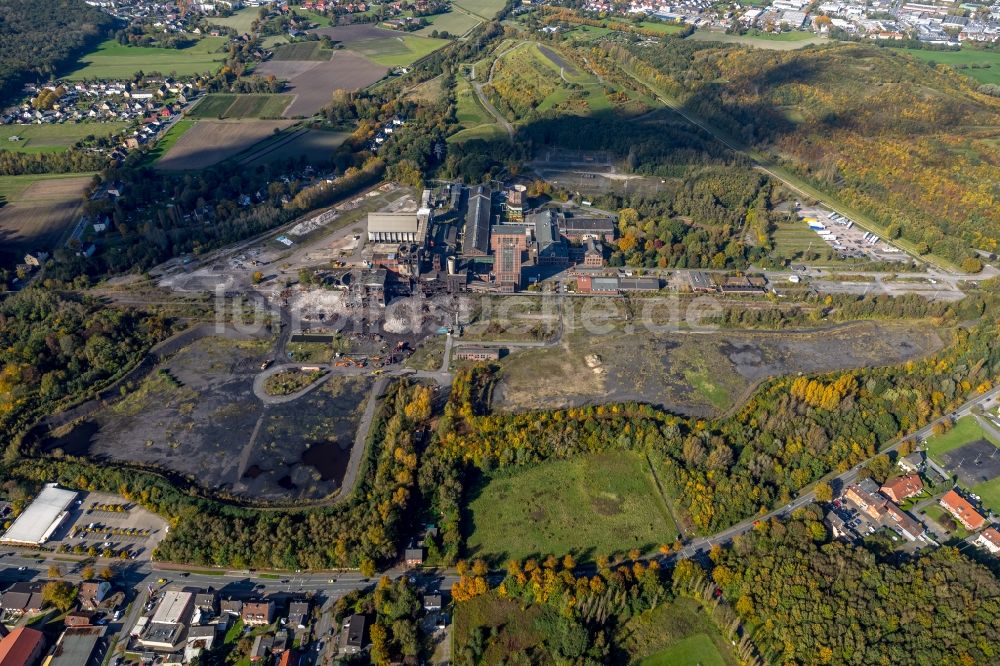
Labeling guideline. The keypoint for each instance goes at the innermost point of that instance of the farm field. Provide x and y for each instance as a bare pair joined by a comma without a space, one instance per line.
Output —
965,430
965,61
302,51
111,60
603,504
316,146
52,138
701,374
241,106
485,8
313,82
456,23
384,47
36,210
676,633
211,141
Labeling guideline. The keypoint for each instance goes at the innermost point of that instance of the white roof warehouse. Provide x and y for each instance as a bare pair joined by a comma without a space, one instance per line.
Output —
42,517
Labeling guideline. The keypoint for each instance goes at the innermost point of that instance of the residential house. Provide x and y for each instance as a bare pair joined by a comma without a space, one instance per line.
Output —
432,602
902,487
22,647
989,540
257,613
354,637
23,597
298,614
82,618
902,522
414,557
962,510
231,606
912,463
92,593
866,497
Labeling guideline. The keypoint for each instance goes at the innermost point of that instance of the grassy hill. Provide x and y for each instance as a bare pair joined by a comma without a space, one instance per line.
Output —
914,146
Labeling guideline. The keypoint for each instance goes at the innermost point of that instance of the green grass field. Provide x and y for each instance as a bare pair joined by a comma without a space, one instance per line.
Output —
168,140
240,21
111,60
990,493
52,138
587,33
989,61
697,650
241,106
485,8
456,23
965,430
602,504
397,50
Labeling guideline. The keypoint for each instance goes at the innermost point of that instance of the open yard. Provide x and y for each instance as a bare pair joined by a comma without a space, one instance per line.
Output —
211,141
698,374
602,504
678,633
36,210
983,66
313,82
223,106
385,47
111,60
195,415
52,138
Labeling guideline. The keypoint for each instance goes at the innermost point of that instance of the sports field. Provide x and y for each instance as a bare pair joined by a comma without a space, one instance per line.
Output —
111,60
603,504
983,66
241,106
52,138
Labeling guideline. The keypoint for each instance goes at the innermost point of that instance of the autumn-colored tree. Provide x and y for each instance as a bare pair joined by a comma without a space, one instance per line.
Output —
824,493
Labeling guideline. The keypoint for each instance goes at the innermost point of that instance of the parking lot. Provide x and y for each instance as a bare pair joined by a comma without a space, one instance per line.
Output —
848,239
102,521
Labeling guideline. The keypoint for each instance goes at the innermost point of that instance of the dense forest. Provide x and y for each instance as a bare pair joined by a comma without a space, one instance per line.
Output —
909,144
812,601
38,38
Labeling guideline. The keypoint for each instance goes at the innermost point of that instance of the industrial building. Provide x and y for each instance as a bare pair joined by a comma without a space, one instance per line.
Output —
166,630
405,227
42,518
478,353
477,223
75,647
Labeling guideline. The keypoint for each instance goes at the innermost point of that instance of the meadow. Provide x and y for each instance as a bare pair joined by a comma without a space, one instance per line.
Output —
240,21
111,60
52,138
485,8
678,633
983,66
456,23
604,504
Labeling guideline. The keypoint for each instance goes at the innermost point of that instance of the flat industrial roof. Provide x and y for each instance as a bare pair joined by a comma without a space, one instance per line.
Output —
173,607
76,646
393,222
36,523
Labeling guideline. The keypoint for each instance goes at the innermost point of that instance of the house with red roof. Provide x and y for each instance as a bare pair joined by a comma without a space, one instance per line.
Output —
22,647
962,510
